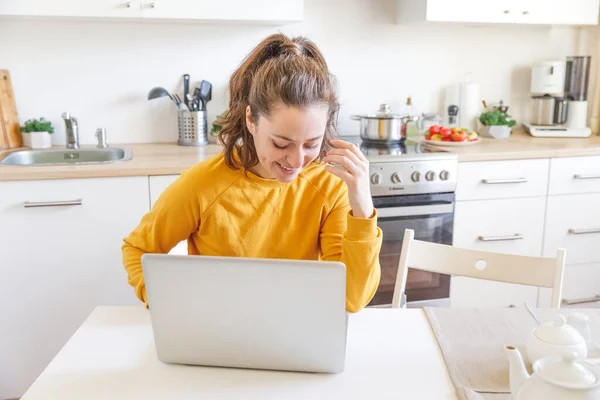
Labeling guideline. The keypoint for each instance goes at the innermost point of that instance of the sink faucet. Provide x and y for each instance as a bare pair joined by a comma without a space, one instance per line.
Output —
72,131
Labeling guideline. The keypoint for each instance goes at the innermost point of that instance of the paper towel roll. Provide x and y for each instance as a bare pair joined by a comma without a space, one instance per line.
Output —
470,105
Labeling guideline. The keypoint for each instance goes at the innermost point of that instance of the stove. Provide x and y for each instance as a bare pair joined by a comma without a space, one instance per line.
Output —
413,187
409,168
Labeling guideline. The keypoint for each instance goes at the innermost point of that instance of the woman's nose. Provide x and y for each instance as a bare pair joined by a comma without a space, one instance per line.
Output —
296,158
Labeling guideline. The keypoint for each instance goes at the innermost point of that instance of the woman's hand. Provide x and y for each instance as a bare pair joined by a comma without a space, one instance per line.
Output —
356,175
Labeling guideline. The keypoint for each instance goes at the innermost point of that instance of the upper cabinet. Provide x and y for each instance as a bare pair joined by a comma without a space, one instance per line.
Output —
535,12
262,11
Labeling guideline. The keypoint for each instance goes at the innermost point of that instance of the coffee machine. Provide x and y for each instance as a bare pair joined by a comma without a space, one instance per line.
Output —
559,98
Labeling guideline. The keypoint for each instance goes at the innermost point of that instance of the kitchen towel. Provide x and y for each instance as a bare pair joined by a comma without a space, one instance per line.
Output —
469,106
472,342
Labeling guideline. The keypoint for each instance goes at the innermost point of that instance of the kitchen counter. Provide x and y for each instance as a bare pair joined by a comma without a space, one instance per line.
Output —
521,145
169,158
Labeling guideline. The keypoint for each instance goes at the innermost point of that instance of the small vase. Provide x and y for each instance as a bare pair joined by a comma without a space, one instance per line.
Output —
496,131
37,140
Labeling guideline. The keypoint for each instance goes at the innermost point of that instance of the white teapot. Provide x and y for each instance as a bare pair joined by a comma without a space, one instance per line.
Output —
553,378
555,339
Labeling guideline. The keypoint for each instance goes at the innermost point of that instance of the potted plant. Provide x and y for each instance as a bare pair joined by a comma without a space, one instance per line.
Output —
496,123
36,133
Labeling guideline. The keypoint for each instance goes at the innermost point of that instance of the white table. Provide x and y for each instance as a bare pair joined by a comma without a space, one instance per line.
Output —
391,354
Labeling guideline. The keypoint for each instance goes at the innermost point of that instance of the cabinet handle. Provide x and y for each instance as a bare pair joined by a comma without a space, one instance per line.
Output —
57,203
584,231
592,299
586,176
516,236
506,180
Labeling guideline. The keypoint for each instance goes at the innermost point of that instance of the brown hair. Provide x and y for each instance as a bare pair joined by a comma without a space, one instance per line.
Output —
278,70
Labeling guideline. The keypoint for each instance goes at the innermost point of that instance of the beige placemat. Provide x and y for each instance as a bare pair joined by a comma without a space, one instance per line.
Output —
472,342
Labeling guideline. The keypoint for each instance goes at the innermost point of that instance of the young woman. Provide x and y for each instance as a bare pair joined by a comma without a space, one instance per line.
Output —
272,193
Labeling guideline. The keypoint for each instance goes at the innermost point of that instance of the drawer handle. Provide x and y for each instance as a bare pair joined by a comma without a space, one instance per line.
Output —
516,236
506,180
586,176
584,231
592,299
57,203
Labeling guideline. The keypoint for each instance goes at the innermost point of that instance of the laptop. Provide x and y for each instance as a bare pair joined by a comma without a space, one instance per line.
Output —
286,315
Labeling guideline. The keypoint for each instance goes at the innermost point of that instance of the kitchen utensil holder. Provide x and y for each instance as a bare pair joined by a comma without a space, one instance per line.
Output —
192,128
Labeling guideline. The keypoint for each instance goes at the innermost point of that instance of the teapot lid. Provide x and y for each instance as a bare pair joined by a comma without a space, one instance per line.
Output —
558,332
567,371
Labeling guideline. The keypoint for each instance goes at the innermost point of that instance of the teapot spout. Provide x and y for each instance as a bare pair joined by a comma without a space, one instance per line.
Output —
518,373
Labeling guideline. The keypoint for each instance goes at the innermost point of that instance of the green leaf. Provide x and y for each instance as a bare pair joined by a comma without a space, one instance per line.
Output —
35,125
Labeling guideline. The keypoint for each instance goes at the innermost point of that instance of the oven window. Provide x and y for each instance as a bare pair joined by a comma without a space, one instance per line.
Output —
421,285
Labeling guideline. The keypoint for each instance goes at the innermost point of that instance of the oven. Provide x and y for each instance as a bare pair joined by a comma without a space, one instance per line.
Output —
431,216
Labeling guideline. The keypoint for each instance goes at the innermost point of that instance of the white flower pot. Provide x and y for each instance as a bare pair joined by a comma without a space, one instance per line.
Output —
496,131
37,140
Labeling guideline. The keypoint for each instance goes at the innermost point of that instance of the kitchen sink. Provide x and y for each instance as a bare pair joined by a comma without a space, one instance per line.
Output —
67,156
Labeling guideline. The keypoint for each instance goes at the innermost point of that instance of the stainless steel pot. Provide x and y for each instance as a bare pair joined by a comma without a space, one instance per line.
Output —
384,126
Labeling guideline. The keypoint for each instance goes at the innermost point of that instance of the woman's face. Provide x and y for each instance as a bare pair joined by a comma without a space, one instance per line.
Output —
287,140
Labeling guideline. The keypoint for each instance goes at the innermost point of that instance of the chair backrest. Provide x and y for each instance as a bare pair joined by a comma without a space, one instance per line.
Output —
449,260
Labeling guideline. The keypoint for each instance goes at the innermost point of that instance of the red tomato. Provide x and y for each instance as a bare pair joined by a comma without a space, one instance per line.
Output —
446,139
434,129
445,132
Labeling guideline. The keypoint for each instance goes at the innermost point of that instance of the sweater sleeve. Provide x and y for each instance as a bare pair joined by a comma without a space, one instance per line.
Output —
356,242
173,218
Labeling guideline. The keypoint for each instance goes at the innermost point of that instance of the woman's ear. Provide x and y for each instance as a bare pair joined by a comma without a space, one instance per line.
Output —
250,121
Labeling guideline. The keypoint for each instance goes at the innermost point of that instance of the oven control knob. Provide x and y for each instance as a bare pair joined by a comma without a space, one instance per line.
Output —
430,175
444,175
396,178
416,176
376,179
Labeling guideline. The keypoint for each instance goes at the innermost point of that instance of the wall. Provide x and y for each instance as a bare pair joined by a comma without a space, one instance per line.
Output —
101,71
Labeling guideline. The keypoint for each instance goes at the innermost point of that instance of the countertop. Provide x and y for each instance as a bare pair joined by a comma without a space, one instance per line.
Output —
169,158
391,354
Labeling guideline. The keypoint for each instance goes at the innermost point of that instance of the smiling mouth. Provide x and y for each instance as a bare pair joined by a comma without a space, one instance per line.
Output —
287,169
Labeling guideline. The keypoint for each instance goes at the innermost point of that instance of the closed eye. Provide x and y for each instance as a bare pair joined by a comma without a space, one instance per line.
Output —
279,147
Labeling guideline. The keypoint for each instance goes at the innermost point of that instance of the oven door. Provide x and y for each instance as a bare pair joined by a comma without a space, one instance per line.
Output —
431,216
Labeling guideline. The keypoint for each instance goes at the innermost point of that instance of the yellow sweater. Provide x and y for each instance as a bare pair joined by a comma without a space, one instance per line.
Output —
222,212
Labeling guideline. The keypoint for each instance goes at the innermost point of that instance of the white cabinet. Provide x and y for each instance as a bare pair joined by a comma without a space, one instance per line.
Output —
61,257
535,12
72,8
502,179
574,175
267,11
224,10
510,226
158,184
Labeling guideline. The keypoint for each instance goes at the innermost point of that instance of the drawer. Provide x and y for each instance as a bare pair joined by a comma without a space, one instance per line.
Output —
470,292
511,226
574,175
581,286
573,223
502,179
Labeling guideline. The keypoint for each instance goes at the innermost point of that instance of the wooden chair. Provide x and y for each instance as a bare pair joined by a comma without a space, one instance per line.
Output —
449,260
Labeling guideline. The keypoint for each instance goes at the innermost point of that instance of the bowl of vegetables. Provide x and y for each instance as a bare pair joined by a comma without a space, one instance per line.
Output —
440,135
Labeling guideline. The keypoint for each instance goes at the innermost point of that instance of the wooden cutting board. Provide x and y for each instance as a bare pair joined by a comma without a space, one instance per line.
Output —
10,130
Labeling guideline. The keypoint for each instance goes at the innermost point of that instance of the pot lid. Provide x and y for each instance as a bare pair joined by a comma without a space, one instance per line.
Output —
567,370
385,112
558,332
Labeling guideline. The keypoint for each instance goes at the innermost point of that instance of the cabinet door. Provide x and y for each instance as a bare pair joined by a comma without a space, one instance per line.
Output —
558,12
574,175
61,257
511,226
501,11
573,223
225,10
157,185
72,8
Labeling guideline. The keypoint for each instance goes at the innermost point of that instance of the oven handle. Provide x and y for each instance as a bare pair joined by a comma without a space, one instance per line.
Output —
389,212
